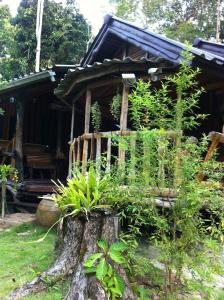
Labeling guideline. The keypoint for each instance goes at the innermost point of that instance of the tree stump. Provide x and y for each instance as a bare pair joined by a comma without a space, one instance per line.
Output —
78,237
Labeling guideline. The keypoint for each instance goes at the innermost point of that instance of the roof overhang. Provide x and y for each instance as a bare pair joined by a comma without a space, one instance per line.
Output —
18,85
80,77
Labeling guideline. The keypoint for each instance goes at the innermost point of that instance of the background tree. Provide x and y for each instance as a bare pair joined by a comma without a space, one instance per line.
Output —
179,19
9,59
64,37
64,33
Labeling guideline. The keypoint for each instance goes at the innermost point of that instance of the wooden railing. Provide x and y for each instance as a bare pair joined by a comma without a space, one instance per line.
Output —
91,146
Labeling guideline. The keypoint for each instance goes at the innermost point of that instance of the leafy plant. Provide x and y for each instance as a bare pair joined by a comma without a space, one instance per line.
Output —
96,116
82,193
164,201
115,106
6,171
102,264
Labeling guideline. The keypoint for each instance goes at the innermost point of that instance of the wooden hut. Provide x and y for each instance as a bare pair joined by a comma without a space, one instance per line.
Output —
120,52
34,131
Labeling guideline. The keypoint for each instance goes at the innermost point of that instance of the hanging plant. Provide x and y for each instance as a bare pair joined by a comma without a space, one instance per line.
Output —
96,116
115,106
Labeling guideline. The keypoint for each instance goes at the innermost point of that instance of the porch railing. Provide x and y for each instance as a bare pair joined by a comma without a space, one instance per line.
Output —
91,146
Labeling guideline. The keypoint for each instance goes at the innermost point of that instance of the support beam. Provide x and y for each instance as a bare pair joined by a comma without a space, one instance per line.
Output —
124,108
72,123
86,130
59,135
123,119
19,137
87,111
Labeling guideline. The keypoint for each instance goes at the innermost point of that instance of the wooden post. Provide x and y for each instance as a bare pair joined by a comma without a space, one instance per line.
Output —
123,119
211,150
19,137
59,133
71,141
124,108
72,123
86,130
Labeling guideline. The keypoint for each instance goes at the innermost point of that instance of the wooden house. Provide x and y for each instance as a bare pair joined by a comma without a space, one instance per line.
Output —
47,126
122,50
34,131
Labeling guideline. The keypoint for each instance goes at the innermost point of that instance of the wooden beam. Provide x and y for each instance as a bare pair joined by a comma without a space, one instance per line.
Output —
125,68
86,130
72,123
19,137
124,108
59,153
87,111
123,119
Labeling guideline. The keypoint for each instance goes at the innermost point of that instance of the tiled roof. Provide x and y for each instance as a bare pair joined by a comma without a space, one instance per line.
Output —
153,43
108,66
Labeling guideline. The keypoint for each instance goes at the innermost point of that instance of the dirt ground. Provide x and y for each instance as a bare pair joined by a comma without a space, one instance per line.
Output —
16,219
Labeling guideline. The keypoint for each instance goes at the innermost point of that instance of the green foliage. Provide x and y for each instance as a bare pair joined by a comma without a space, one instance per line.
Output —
162,191
115,106
82,193
96,116
101,264
65,34
178,19
7,171
155,108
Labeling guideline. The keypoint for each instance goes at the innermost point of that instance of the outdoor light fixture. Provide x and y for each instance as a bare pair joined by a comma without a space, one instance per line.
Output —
154,72
12,100
129,79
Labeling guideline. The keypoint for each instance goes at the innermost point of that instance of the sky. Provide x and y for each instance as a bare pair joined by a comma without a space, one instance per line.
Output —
93,10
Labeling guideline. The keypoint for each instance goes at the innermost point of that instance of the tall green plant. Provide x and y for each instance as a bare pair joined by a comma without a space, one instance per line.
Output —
96,116
6,171
185,216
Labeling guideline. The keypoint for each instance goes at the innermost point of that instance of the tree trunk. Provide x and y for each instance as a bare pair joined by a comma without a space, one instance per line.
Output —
78,240
218,21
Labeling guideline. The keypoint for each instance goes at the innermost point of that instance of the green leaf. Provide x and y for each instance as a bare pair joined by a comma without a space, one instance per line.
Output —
119,246
110,271
116,257
101,269
102,244
110,283
115,292
90,270
91,260
119,284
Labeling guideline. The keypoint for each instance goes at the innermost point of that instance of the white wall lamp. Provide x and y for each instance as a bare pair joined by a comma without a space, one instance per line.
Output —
154,72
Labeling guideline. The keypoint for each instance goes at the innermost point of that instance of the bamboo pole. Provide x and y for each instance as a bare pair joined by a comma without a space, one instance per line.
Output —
108,153
98,153
39,20
133,155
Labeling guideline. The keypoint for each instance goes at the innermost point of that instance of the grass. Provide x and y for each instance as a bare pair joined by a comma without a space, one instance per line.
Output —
20,261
